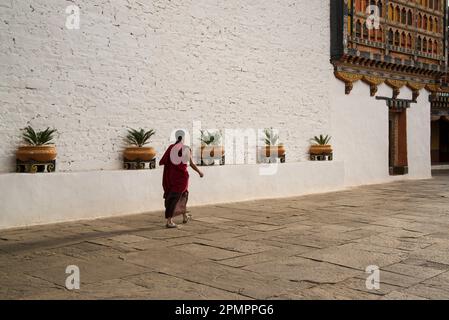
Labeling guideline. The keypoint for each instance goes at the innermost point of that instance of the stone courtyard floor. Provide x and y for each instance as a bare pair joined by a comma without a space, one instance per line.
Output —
311,247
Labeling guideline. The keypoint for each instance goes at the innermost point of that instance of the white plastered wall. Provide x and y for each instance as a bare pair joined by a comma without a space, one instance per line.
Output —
162,65
360,133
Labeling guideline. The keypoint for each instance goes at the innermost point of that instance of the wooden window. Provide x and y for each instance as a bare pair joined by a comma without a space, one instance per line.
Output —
390,37
372,34
365,31
391,12
379,34
358,29
409,18
380,6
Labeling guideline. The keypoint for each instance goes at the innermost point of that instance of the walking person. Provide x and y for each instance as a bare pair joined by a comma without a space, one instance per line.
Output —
175,180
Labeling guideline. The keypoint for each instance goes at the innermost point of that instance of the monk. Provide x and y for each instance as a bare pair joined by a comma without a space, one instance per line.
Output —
175,180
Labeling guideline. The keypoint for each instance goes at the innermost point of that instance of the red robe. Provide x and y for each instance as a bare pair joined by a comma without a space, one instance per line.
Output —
175,177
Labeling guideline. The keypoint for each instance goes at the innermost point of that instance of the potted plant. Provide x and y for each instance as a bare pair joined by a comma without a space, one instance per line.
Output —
39,146
211,147
137,151
321,146
272,146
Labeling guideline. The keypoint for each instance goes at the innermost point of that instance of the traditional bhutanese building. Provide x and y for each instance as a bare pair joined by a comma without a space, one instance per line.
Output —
402,44
370,74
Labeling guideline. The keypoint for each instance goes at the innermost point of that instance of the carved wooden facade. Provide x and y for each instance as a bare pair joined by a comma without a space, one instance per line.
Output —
399,43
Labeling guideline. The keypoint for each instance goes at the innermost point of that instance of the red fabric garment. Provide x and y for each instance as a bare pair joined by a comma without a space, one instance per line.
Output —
175,177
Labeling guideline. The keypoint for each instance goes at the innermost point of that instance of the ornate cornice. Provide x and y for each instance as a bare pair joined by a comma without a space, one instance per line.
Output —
396,85
433,88
415,87
348,79
373,82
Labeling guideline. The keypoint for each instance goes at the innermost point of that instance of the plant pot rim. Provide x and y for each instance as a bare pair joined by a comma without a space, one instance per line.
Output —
40,146
135,147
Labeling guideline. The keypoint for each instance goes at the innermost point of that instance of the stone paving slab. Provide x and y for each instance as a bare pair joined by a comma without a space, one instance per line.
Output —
398,295
90,271
310,247
348,256
300,269
164,286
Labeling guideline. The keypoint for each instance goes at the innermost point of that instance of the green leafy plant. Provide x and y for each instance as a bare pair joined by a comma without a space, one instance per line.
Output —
322,140
140,137
39,138
271,138
210,139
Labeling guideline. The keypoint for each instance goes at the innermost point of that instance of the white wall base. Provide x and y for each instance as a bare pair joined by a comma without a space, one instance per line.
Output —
438,167
30,199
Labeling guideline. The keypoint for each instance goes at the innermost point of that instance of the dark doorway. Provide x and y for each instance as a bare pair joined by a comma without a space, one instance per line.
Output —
440,140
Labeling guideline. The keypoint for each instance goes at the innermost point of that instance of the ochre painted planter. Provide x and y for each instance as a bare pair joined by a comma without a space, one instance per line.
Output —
212,152
139,153
278,151
320,149
37,153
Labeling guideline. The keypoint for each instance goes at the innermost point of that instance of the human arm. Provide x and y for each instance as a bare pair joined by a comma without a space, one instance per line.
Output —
195,168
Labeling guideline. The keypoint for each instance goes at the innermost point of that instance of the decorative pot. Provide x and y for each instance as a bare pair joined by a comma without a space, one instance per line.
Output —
37,153
320,149
139,153
270,151
212,152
